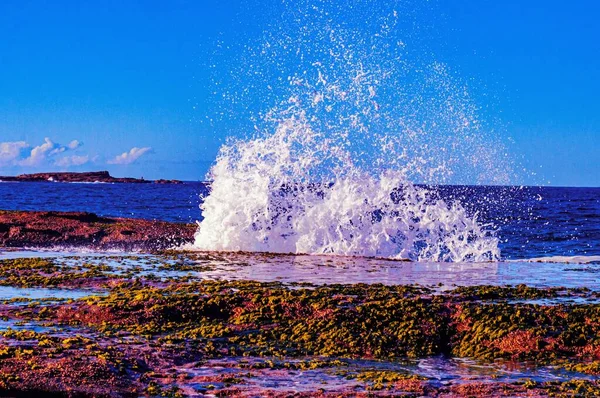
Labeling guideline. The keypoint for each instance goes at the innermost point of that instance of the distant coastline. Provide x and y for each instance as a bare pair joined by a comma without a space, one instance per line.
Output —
89,177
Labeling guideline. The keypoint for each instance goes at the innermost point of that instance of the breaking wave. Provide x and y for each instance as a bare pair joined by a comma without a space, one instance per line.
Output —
332,168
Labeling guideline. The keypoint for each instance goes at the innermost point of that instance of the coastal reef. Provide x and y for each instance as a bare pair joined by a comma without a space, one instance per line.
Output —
153,326
77,229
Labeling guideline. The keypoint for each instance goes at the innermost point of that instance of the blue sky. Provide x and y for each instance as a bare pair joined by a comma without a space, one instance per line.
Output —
122,85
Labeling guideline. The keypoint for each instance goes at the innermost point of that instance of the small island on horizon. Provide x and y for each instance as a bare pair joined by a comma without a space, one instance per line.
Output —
90,177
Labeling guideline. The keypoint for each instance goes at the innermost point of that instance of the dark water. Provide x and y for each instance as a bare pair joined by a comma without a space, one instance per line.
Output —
169,202
530,221
537,221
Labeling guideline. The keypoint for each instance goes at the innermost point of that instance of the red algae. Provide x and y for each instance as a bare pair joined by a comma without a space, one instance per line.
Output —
519,343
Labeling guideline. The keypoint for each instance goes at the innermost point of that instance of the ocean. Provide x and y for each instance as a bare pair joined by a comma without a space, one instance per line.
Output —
529,222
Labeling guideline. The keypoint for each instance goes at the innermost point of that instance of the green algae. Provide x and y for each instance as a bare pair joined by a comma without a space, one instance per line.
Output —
571,388
38,272
156,390
522,291
385,379
525,331
355,321
291,322
270,319
592,367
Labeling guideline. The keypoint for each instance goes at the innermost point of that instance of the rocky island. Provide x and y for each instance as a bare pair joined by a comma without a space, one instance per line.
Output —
92,176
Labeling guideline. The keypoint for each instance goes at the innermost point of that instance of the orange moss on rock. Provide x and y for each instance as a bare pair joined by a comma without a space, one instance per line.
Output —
518,343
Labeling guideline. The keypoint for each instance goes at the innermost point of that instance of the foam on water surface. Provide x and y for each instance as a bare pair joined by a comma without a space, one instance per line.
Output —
567,259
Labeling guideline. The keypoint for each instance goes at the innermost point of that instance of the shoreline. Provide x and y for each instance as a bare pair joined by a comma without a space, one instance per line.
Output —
170,323
43,229
137,326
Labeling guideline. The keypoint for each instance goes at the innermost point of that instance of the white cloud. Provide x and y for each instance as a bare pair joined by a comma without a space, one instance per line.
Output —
20,153
129,157
38,154
11,151
74,160
57,150
74,144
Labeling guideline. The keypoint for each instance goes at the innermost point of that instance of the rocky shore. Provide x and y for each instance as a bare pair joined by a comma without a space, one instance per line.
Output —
91,177
72,229
172,323
151,326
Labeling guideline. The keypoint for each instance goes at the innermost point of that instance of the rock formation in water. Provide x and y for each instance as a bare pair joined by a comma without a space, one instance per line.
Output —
50,228
93,176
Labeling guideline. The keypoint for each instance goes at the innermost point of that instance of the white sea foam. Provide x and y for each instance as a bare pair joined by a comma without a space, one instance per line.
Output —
331,167
565,259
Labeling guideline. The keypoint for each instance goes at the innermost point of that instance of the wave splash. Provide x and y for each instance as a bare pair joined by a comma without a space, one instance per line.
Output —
263,199
330,170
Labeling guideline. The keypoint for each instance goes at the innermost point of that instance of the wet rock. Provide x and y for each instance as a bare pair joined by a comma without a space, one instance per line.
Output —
140,333
49,228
